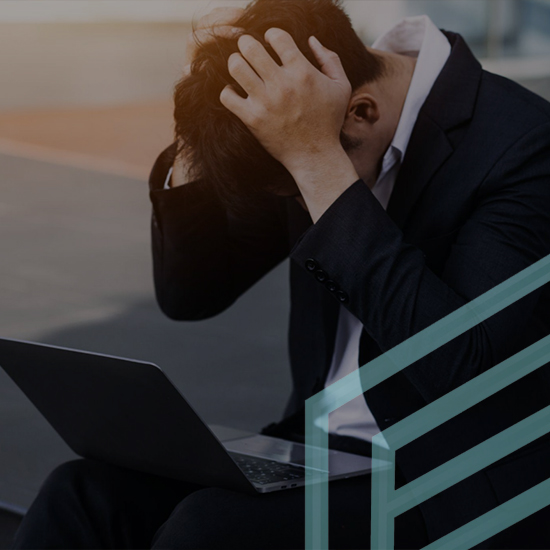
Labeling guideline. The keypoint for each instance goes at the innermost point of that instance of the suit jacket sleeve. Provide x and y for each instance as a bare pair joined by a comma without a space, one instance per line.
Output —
204,256
394,294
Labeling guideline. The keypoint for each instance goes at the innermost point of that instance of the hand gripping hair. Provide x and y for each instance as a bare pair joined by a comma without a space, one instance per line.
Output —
218,148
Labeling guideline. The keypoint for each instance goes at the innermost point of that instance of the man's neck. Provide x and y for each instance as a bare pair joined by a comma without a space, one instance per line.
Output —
395,85
392,89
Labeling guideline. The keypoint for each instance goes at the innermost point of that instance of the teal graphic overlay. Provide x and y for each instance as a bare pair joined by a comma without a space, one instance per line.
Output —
388,503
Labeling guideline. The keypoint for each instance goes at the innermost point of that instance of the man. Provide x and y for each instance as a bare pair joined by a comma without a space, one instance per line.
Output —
399,197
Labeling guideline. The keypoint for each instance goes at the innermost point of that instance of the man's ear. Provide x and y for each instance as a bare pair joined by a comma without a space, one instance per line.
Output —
362,108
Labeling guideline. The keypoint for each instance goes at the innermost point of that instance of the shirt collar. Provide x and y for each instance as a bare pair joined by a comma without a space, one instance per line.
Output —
418,37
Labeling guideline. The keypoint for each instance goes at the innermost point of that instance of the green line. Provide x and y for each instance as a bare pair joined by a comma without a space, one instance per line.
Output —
382,520
433,337
401,356
316,490
469,394
495,521
470,462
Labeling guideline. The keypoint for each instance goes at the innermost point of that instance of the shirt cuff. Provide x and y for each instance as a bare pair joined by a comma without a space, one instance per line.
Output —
168,177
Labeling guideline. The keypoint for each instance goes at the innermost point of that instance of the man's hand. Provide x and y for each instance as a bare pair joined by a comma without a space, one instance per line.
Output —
219,22
296,112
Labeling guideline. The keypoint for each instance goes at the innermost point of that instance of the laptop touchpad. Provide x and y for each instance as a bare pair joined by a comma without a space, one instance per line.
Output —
269,447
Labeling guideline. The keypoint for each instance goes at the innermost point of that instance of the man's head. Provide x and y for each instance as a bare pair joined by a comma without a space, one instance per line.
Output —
218,146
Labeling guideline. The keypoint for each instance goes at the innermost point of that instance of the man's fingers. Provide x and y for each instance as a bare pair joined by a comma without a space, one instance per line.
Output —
329,61
243,73
232,101
220,17
284,46
258,57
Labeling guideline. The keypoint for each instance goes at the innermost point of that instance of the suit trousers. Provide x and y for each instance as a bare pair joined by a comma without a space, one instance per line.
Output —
89,504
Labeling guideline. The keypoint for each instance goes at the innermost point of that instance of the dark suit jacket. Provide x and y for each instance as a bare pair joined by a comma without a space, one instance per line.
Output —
470,208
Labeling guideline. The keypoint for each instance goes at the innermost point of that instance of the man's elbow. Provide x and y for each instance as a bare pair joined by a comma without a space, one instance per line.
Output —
188,308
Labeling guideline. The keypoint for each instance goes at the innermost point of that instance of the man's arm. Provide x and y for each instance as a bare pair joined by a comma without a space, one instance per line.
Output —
394,294
205,257
296,112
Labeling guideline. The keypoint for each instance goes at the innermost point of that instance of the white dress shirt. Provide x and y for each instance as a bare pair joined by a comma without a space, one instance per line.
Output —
418,37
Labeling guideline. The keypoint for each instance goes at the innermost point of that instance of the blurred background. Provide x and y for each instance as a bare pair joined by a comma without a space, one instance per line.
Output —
85,108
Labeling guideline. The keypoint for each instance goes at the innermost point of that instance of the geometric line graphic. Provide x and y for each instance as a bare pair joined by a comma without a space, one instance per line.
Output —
391,503
495,521
388,503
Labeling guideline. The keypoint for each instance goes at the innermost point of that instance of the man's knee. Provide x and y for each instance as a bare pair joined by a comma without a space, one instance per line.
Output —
208,518
81,482
67,475
52,520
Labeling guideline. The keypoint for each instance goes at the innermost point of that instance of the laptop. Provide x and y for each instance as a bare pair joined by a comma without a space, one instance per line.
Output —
128,413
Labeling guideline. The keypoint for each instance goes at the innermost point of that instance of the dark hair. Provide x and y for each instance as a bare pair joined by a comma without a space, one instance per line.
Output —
219,149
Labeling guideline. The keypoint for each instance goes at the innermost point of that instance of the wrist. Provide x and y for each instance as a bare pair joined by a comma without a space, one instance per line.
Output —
311,159
323,178
309,168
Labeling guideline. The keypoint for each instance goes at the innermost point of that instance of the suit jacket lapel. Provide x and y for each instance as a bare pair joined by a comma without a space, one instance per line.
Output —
450,103
418,168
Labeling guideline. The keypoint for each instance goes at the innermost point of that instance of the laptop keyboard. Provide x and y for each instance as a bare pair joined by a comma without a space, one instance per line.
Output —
263,471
